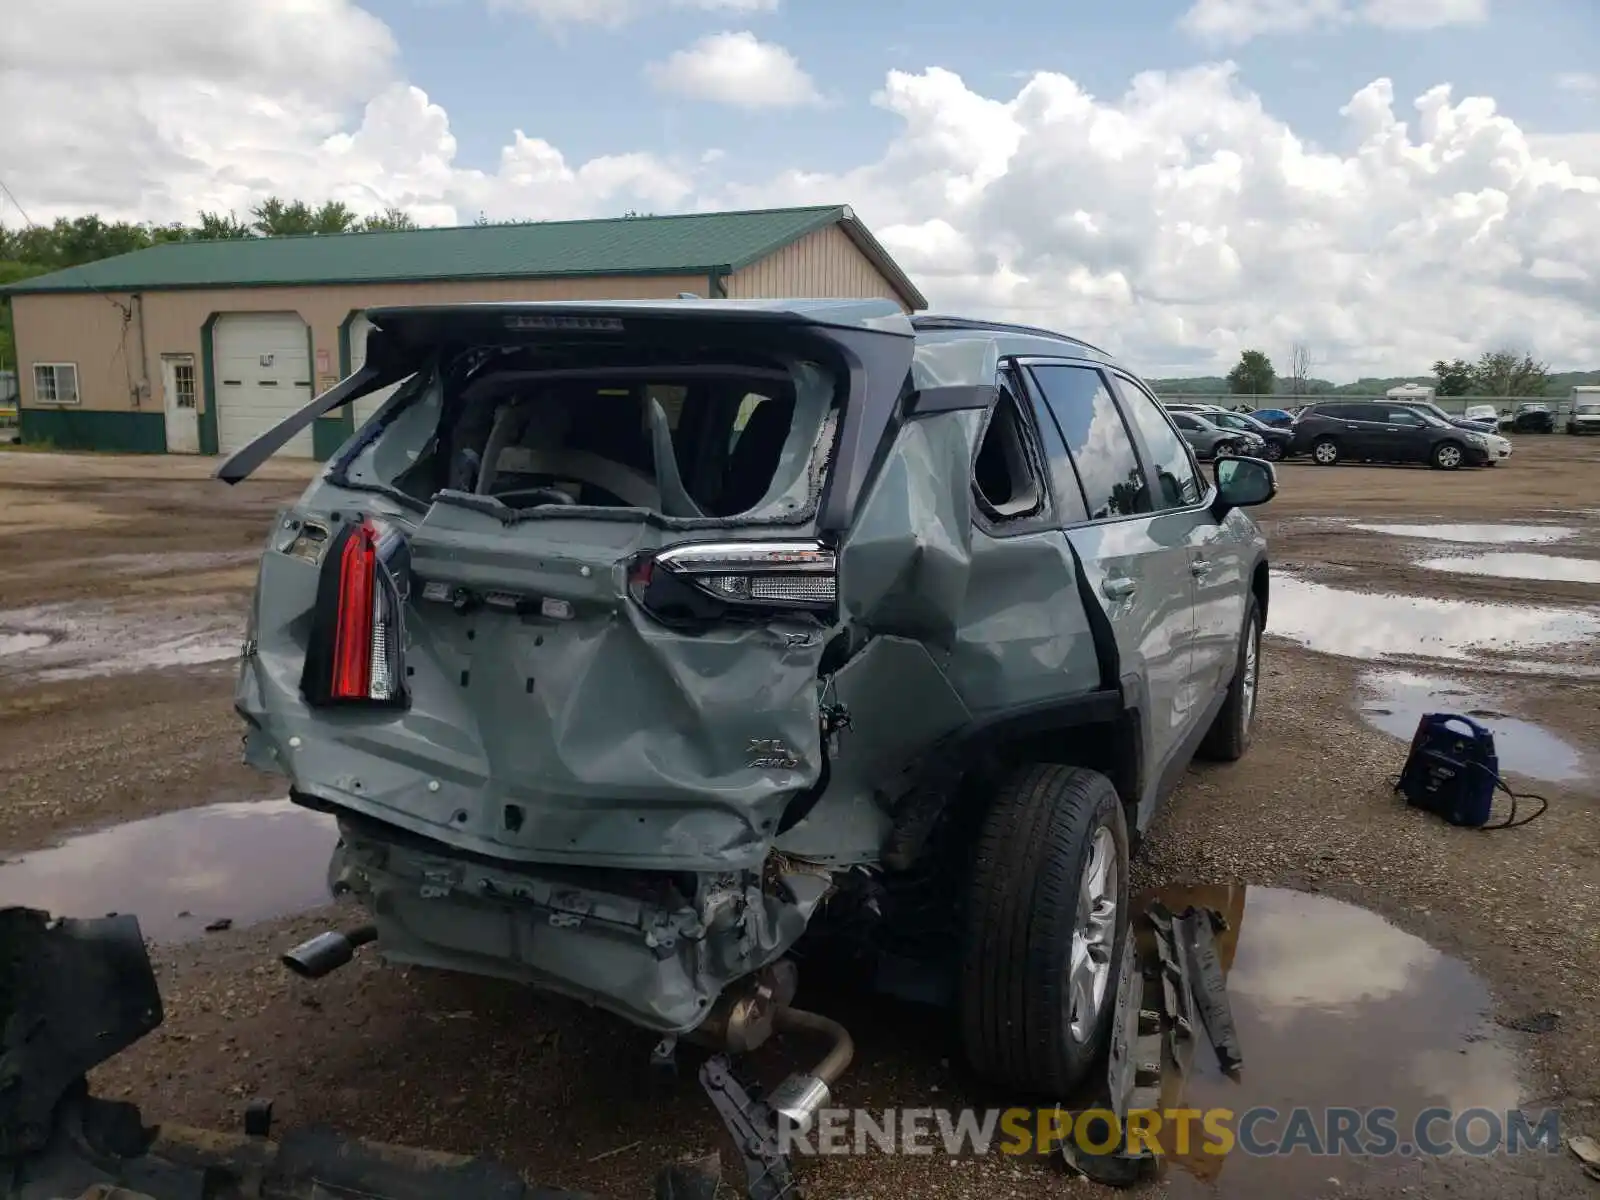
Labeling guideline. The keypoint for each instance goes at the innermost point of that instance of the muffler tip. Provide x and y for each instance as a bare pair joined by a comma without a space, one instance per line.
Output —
798,1099
327,952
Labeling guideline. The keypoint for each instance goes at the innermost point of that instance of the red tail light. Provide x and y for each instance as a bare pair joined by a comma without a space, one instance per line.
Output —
355,652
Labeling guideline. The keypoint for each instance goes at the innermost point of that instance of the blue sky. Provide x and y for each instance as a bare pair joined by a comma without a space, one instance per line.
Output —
585,89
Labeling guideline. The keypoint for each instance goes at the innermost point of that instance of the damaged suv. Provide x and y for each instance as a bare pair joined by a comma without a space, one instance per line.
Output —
630,642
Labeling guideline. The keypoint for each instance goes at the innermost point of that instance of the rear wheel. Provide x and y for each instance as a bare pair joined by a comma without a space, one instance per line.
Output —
1046,916
1272,452
1325,453
1447,456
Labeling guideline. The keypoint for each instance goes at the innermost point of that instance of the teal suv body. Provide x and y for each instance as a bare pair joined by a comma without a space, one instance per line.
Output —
633,643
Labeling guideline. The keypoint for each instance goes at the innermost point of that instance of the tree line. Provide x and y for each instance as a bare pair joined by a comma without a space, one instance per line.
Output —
1503,372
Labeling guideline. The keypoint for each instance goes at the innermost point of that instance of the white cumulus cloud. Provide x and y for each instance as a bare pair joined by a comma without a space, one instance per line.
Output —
1238,21
737,69
1175,223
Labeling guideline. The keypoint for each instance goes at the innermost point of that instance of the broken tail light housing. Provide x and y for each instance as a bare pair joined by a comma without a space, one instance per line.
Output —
356,652
713,580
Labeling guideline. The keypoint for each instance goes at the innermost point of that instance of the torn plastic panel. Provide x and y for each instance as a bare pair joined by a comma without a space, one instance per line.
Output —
655,949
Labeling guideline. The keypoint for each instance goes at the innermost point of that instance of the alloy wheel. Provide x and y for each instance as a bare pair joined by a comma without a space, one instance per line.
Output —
1093,936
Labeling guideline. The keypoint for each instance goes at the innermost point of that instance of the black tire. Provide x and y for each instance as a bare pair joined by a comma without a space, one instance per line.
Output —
1222,448
1022,915
1272,452
1447,456
1234,725
1325,452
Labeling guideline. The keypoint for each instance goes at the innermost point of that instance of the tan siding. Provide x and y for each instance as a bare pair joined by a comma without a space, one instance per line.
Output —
88,328
821,264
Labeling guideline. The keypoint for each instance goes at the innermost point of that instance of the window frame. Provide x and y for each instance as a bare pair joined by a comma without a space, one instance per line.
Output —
1007,383
1208,486
56,401
1025,365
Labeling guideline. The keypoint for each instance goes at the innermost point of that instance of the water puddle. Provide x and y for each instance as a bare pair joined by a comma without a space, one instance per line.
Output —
68,641
1400,698
180,871
1480,535
1506,565
1335,1008
21,643
1375,626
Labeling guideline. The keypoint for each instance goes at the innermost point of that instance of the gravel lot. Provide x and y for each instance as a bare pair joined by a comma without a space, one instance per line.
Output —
120,604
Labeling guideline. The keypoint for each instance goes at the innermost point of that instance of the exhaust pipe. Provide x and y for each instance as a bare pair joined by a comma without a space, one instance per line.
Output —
798,1097
327,952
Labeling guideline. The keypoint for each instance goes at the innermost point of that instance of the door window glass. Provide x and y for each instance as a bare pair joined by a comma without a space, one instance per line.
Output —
1178,481
1097,440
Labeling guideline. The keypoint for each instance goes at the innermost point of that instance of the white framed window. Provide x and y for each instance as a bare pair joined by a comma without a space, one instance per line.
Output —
55,383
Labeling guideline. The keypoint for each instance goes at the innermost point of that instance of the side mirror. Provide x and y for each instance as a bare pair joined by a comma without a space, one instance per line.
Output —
1243,483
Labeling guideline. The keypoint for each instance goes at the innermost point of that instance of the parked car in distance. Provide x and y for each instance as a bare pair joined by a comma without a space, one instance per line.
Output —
1213,441
1354,431
1277,441
1585,414
1531,416
1482,414
1499,448
622,705
1191,406
1278,418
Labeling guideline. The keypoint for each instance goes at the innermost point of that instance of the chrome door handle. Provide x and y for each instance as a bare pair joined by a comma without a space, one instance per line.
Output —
1199,567
1119,589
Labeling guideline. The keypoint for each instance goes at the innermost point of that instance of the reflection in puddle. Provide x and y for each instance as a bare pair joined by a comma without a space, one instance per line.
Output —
1361,625
1334,1007
21,643
67,641
1518,566
1482,535
1524,748
245,862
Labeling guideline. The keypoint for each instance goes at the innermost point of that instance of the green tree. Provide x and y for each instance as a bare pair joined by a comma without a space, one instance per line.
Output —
1452,378
390,219
1509,373
1252,375
217,227
276,217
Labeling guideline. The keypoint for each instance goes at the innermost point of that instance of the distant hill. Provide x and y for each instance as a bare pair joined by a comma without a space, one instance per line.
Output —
1561,382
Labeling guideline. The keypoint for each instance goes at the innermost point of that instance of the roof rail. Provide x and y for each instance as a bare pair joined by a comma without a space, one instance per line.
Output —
937,322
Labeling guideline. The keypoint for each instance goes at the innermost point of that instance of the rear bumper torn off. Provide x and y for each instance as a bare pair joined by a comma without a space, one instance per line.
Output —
654,949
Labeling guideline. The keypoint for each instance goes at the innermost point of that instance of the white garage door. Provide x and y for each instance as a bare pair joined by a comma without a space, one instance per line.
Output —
364,406
263,366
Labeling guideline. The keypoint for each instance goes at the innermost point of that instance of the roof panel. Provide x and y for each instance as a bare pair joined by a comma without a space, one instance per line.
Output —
688,244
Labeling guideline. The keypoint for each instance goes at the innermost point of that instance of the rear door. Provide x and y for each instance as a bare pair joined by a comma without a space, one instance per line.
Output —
1216,560
1136,557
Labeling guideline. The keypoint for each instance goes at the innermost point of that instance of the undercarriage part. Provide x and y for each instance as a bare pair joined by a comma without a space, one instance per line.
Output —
1194,928
798,1097
754,1128
743,1016
327,952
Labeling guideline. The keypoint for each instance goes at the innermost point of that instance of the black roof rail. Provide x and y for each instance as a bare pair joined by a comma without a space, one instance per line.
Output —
932,321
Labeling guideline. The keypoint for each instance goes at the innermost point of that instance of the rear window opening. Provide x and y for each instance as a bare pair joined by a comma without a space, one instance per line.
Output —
720,437
1005,475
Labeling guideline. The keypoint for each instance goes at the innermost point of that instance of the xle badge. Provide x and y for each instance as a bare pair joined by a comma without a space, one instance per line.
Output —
770,754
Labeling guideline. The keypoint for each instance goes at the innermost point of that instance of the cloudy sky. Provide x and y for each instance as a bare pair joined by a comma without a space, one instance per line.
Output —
1386,181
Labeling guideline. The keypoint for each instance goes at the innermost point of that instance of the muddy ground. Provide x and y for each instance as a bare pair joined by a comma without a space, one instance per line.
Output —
121,590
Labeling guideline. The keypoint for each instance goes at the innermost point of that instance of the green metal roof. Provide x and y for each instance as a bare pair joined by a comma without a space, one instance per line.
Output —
690,244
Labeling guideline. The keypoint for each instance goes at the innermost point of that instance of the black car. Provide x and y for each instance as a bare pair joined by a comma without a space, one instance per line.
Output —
1396,432
1277,440
1532,418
